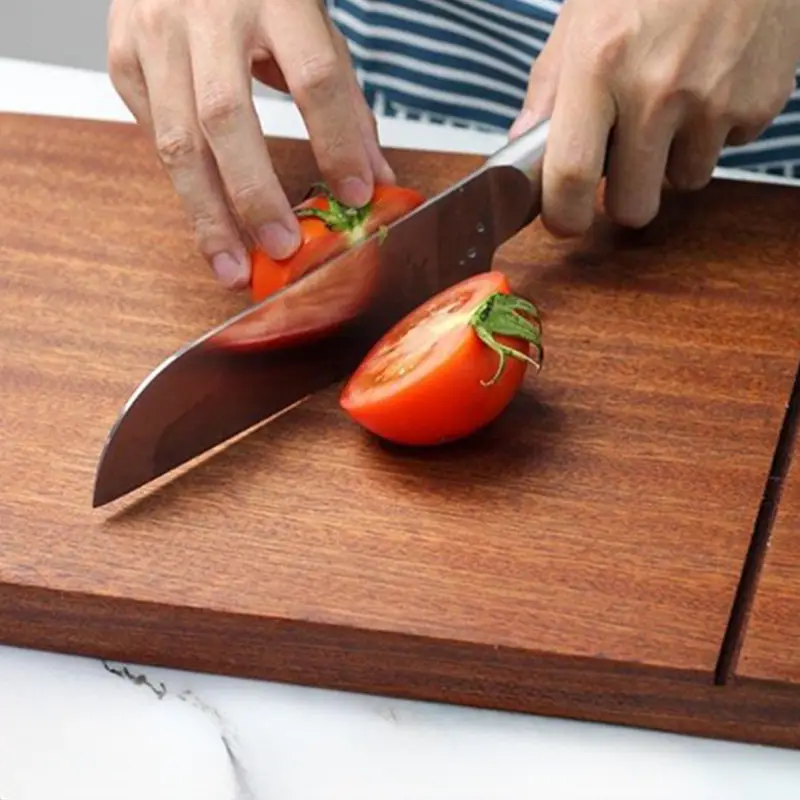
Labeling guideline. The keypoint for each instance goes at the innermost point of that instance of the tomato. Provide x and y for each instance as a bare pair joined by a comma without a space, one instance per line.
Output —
309,310
449,367
328,228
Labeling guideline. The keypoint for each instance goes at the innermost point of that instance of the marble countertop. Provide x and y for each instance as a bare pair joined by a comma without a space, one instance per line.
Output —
81,729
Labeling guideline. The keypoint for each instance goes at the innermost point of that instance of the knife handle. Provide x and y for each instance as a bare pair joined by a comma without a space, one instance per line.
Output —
525,153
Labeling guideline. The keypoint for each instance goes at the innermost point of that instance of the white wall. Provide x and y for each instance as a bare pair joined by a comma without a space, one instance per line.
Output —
68,32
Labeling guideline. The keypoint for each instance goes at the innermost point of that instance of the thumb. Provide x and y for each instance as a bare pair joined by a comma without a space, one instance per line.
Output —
543,81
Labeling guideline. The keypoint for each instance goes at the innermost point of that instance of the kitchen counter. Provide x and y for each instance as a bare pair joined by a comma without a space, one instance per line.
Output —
80,729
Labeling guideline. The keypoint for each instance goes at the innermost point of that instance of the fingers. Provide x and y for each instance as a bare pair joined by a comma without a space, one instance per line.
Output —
695,152
269,72
582,118
540,96
543,81
186,76
637,161
320,81
185,155
230,126
381,169
124,69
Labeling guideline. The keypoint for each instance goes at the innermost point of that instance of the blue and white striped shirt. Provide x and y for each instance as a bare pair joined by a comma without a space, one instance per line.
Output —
466,63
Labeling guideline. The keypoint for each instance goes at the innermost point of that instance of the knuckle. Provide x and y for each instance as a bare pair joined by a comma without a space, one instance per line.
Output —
717,107
249,200
660,85
333,153
212,234
123,65
218,106
714,102
315,76
177,146
151,16
607,49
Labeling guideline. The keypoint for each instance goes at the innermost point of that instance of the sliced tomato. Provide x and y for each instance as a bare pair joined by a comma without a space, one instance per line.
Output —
307,311
449,367
328,228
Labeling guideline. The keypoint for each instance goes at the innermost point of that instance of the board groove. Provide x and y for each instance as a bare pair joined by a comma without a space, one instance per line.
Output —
747,587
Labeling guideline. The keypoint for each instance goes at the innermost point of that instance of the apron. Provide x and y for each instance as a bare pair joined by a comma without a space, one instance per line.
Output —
465,63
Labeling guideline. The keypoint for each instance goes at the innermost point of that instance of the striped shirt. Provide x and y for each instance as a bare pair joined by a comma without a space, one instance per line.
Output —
465,63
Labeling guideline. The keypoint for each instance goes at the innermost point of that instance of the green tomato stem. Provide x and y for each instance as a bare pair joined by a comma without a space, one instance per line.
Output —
338,217
508,315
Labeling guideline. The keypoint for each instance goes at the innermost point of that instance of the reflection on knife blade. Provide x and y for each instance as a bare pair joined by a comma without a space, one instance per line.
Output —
326,300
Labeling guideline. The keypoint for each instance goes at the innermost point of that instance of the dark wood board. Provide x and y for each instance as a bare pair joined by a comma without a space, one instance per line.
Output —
580,557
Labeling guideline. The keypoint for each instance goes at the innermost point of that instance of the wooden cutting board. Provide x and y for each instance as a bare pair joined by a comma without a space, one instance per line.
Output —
768,661
581,557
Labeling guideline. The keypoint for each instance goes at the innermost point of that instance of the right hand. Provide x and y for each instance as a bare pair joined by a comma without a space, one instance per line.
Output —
183,68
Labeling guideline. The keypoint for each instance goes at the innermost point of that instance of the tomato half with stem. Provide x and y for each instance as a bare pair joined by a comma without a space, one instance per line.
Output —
328,228
449,367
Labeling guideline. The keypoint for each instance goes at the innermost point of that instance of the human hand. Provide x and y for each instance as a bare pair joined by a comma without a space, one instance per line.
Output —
183,68
676,80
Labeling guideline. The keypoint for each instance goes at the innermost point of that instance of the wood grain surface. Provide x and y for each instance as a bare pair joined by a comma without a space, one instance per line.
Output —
580,557
770,647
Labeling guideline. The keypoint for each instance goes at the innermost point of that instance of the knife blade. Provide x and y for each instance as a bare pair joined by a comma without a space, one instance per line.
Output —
265,360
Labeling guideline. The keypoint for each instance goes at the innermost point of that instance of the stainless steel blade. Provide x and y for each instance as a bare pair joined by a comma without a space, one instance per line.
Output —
218,386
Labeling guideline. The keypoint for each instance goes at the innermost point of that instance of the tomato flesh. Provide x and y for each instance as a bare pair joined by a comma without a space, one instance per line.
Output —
424,382
319,242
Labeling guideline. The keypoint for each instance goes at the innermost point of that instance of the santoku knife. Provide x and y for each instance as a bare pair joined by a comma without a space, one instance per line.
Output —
227,381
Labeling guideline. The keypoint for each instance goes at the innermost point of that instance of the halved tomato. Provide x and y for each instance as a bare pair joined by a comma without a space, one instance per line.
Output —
449,367
328,228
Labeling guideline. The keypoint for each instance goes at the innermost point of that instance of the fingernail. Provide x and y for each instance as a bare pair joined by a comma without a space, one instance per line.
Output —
279,240
231,271
353,192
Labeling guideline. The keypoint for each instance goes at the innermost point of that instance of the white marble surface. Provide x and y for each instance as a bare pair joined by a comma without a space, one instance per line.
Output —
79,729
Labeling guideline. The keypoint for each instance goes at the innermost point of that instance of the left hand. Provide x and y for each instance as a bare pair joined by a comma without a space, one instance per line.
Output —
676,80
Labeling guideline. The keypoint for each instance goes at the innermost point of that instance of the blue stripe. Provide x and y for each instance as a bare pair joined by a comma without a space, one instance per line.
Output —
781,129
375,69
793,106
383,45
443,12
734,157
375,18
528,9
537,36
491,121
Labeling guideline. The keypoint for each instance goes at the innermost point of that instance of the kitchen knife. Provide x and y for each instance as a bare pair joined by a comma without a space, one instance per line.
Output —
265,360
